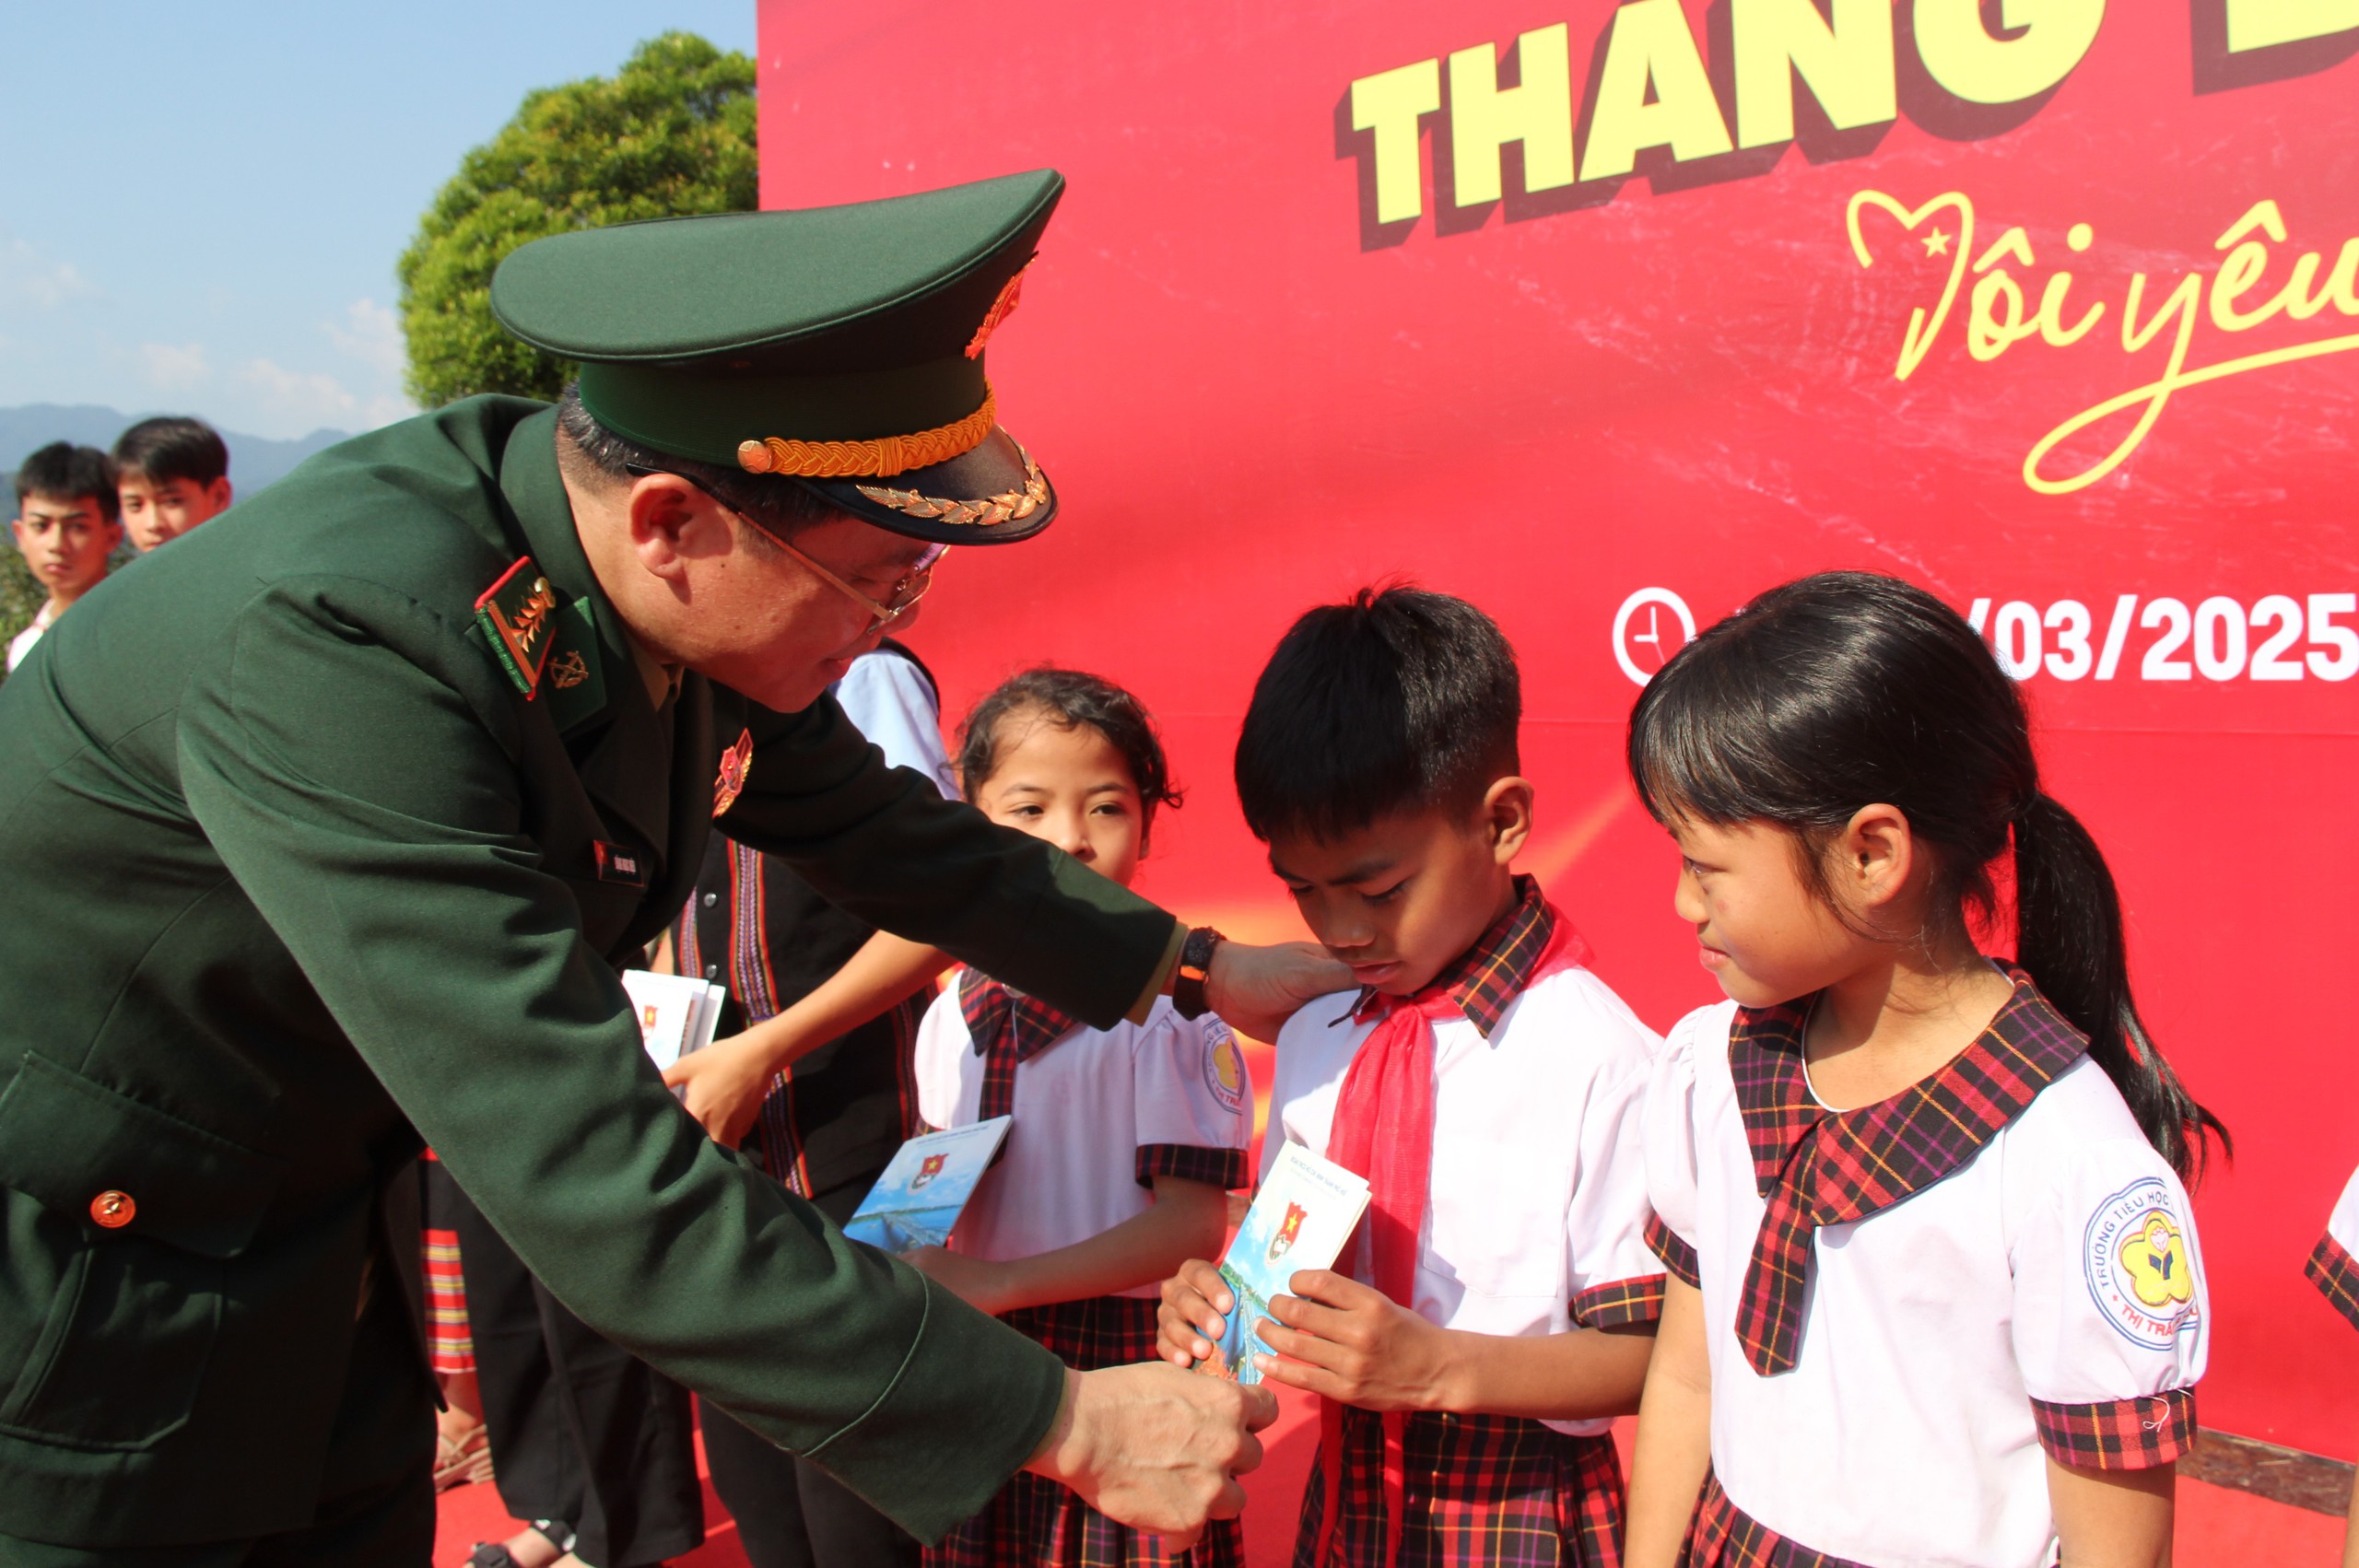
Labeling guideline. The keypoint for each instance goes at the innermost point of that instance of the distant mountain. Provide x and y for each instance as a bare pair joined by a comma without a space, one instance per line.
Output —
254,461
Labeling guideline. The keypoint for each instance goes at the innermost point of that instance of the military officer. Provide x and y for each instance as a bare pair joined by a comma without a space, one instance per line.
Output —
328,828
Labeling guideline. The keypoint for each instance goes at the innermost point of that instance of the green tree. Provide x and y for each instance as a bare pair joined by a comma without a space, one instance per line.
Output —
671,132
21,594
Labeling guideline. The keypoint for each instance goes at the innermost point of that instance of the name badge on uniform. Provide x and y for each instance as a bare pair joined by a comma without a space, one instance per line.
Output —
618,864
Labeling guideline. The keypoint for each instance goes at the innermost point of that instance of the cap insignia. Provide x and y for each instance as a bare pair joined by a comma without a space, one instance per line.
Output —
1002,307
880,457
514,615
1008,506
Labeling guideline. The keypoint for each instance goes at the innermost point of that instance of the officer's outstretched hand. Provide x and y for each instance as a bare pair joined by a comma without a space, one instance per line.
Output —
1256,989
1156,1448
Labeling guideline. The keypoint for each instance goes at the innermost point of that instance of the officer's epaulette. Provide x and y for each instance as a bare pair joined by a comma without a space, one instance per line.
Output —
518,616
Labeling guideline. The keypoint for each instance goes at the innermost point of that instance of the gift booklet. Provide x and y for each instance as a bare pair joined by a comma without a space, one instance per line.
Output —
1301,1218
676,1013
921,1193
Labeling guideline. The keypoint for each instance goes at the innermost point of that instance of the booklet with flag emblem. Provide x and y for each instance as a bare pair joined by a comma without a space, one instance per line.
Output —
676,1013
1300,1219
926,1186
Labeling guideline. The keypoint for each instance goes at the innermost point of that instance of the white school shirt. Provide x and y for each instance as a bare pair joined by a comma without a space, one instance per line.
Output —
21,645
1537,1189
1084,1108
892,704
1904,1435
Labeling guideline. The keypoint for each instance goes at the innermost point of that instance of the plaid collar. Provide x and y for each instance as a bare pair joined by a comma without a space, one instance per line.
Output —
1007,1028
1481,981
1817,1167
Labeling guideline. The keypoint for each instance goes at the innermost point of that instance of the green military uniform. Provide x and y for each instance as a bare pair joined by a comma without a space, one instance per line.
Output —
310,859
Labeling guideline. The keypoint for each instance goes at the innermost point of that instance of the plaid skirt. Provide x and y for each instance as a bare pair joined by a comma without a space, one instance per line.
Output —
1033,1522
451,1346
1724,1536
1481,1492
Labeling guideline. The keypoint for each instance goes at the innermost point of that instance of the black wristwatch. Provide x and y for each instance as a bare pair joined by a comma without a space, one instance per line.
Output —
1195,963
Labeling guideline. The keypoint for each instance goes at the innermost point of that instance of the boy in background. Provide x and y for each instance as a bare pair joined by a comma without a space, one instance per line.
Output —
172,473
65,525
1498,1308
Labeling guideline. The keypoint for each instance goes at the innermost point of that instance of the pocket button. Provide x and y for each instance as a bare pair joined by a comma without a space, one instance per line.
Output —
113,1210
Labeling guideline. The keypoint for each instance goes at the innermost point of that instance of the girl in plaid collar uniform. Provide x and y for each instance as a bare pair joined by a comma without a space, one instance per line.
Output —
1126,1141
1937,1296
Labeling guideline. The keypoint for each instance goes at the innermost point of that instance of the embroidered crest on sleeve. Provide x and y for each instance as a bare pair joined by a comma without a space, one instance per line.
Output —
515,614
2141,1275
735,764
1224,1067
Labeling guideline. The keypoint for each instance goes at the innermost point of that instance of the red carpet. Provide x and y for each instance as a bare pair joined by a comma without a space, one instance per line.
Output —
2217,1528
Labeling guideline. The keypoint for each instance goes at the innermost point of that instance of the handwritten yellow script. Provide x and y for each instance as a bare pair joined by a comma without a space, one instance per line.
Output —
2000,312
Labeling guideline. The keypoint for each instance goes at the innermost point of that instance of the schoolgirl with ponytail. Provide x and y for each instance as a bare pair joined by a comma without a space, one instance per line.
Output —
1937,1295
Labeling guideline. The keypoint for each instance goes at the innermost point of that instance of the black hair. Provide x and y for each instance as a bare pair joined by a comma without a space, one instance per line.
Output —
1070,698
1847,689
163,450
67,473
779,505
1398,699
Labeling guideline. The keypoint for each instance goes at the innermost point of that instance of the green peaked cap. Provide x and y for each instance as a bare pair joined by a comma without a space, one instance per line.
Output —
861,325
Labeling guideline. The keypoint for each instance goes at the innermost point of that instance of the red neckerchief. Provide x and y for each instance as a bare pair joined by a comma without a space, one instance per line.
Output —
1383,1130
1006,1027
1817,1167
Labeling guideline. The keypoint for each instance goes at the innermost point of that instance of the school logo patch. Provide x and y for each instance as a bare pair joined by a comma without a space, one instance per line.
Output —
1224,1066
2139,1272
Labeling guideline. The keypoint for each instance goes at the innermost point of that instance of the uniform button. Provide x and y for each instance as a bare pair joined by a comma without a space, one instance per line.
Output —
710,899
113,1210
712,971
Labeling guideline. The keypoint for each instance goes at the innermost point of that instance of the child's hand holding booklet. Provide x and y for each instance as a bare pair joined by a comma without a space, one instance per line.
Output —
1301,1218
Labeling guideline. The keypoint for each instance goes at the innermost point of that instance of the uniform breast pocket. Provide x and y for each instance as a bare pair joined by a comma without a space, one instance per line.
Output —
121,1220
1498,1220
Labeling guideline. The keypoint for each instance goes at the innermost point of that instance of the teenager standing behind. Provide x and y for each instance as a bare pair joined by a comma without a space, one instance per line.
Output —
171,474
66,527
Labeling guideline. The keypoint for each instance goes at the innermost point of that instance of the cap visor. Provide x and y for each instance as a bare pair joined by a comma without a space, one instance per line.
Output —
991,495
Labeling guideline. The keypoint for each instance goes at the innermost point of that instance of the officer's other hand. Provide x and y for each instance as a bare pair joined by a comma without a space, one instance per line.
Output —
1196,1302
1156,1448
1256,989
725,1082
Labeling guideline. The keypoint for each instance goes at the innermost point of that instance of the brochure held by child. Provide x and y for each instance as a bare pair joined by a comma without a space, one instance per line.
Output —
925,1188
676,1013
1301,1218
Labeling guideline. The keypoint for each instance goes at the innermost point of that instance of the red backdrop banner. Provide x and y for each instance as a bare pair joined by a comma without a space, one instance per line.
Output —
1609,317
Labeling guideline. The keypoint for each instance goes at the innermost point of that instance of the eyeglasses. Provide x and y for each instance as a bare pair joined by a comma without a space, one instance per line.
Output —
899,599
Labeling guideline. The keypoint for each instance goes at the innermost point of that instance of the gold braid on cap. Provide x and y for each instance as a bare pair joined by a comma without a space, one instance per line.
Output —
870,459
1009,506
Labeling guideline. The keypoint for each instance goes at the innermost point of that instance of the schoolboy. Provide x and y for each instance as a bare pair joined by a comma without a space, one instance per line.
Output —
65,525
172,473
1500,1300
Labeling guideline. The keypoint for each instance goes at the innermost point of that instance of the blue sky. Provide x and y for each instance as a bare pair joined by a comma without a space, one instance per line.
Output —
203,202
